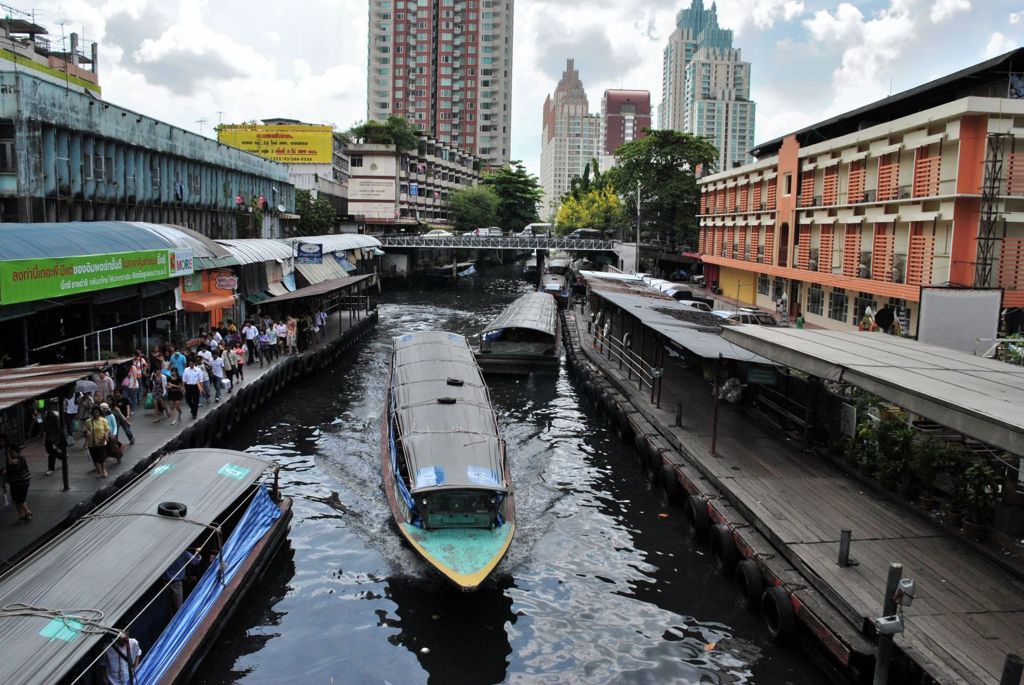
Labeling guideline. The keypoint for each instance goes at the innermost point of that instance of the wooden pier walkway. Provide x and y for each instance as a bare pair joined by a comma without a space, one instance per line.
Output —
968,612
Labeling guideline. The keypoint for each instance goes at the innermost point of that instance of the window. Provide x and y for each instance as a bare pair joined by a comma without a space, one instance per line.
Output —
7,161
763,286
356,161
862,301
815,299
838,304
787,184
778,288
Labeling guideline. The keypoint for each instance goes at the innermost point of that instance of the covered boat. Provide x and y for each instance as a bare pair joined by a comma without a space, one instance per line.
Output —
525,337
204,510
530,268
555,280
445,472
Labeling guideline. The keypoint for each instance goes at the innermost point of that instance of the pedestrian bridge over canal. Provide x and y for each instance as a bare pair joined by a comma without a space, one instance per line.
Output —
513,243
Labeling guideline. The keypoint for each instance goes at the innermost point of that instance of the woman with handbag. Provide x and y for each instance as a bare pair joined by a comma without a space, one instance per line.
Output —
175,393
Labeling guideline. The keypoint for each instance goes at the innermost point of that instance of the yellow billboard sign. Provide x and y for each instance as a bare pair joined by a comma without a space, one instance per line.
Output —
286,143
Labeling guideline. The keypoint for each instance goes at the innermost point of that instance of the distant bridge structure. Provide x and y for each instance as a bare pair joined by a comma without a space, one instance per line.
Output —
514,243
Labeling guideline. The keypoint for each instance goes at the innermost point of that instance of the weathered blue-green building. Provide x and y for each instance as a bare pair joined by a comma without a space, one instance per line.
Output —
66,155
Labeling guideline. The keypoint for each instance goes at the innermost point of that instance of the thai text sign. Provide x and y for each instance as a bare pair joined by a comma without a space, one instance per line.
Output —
27,280
286,143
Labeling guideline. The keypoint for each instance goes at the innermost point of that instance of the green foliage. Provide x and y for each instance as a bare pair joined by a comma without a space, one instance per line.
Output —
895,449
315,217
473,207
518,193
598,208
581,185
395,131
979,492
664,163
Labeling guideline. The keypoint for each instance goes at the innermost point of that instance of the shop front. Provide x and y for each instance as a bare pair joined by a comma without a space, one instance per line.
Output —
209,300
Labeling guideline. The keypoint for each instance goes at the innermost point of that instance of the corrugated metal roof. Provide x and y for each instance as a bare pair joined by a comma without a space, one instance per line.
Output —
28,382
979,397
254,250
535,311
340,242
78,571
76,238
447,445
317,273
207,252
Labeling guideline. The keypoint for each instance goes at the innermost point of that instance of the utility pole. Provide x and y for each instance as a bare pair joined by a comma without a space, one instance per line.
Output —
637,269
202,122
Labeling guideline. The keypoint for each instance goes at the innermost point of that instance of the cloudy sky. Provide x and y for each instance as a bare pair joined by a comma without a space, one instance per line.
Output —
188,60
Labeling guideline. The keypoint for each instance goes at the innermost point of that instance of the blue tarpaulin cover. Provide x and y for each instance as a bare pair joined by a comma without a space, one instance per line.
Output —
254,524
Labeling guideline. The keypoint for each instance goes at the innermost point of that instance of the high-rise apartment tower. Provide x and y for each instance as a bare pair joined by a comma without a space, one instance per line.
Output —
571,138
625,117
446,66
706,85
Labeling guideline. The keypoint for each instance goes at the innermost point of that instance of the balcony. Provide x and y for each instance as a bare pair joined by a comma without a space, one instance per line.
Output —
864,267
899,267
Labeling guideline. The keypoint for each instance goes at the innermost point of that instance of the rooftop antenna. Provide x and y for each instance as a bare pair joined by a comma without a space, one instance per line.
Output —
202,122
890,84
63,46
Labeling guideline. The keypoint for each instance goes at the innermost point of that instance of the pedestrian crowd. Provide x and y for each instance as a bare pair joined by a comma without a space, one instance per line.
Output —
101,412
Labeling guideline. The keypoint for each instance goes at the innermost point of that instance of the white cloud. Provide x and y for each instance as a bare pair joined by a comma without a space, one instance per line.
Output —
741,15
1015,17
945,9
847,24
998,44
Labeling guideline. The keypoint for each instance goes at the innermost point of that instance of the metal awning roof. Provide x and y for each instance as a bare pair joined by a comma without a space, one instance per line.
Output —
109,560
535,311
321,288
446,445
697,331
254,250
340,242
207,252
981,398
28,382
328,270
77,238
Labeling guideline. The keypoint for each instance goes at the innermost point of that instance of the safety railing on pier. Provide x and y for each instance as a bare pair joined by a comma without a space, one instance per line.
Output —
619,350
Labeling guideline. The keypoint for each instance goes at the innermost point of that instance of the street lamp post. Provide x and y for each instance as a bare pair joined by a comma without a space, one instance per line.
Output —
637,269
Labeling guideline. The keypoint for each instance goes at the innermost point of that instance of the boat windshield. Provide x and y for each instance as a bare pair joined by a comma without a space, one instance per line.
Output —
461,509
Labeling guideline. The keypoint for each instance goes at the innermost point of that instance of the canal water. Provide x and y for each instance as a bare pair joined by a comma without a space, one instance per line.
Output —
601,585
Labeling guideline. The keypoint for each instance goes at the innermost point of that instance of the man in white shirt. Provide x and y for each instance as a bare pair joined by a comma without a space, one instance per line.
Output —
122,660
217,376
250,332
192,378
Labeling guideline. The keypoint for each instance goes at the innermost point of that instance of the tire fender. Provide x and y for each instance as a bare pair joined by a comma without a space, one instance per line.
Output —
669,481
778,614
749,584
724,550
697,517
172,509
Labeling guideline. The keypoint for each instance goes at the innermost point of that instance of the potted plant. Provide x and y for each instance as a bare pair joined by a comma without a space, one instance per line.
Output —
895,464
979,500
863,449
929,456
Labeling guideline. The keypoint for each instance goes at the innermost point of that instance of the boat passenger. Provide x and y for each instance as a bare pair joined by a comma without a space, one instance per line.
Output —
122,660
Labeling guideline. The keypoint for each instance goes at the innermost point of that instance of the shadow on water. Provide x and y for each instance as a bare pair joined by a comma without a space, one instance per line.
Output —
601,585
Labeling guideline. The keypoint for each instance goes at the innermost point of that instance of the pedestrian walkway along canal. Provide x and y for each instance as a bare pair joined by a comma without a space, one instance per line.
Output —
601,584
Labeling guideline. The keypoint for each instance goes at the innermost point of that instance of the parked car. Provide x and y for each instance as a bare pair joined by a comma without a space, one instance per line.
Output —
747,315
694,304
586,233
437,233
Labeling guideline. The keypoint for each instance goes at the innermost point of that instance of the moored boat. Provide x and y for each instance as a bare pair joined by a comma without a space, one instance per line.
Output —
206,510
445,472
525,337
555,280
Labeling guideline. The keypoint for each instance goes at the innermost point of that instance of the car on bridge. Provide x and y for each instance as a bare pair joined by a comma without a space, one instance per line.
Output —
437,233
486,231
535,231
586,234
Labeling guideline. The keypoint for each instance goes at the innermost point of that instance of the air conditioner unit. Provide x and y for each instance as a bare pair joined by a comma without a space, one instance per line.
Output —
869,196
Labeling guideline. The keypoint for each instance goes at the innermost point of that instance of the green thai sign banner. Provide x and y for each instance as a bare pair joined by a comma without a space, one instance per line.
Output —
28,280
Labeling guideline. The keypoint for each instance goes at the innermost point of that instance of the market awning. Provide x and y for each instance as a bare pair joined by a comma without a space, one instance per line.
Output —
206,302
322,288
28,382
317,273
981,398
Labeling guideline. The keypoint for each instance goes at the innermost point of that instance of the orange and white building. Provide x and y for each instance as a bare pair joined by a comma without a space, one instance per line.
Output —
923,188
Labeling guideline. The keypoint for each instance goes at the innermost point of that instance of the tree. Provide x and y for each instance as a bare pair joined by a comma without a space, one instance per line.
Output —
581,185
664,163
395,131
473,207
598,208
315,217
518,193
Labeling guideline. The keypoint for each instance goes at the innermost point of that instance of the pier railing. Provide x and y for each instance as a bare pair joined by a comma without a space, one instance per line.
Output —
619,350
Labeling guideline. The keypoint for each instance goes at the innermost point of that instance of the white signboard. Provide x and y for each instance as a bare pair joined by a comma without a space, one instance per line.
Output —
956,317
376,189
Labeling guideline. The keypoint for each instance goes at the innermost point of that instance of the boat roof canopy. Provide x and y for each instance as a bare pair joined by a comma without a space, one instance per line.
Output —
448,429
534,311
109,559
